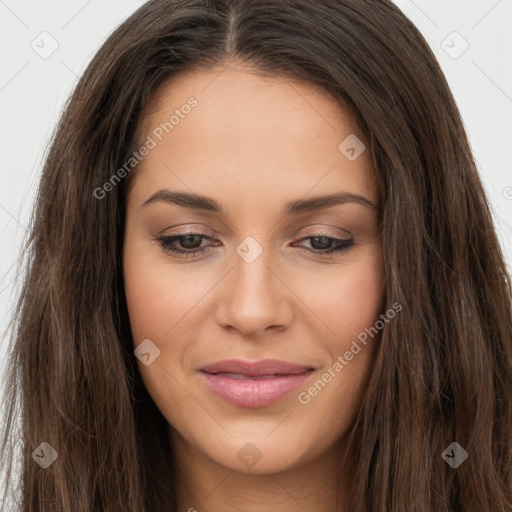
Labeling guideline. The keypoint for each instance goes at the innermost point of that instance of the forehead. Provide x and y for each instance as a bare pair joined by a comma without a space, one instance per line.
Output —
249,132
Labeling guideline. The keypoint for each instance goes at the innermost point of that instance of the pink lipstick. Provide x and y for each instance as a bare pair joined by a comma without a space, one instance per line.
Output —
254,384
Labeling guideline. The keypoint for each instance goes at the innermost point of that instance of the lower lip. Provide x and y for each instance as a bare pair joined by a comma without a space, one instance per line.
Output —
254,393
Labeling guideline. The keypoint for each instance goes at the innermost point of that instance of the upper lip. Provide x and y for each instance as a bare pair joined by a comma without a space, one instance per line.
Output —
256,368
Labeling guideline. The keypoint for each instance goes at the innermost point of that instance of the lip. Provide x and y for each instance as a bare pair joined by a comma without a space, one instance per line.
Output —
254,384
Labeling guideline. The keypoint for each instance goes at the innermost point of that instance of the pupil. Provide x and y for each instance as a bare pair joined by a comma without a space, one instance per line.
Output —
325,245
188,241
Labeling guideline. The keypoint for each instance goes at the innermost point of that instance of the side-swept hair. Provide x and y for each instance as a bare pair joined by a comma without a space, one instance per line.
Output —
443,373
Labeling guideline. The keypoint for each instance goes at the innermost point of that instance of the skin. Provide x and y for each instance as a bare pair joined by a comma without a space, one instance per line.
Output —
253,144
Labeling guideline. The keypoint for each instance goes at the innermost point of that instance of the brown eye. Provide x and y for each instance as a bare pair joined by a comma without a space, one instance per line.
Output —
190,241
189,244
327,245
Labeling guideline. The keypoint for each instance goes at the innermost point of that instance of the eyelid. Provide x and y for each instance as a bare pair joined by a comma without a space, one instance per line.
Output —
342,245
317,230
190,229
324,233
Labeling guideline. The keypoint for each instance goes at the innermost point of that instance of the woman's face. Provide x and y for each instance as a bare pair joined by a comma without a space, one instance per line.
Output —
250,172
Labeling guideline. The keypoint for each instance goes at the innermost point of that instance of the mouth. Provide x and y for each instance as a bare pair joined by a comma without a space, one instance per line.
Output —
254,384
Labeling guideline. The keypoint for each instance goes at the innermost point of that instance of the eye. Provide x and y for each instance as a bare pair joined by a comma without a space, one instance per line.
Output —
189,245
323,244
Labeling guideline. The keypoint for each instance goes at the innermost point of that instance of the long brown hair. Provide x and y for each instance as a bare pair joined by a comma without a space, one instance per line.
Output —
443,372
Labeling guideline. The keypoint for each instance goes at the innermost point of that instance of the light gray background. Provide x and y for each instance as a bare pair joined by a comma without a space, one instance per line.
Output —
33,91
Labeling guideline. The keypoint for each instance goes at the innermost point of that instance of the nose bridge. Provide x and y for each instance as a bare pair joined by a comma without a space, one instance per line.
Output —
253,298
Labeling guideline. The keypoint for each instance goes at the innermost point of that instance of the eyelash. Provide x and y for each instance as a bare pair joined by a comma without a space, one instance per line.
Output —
166,241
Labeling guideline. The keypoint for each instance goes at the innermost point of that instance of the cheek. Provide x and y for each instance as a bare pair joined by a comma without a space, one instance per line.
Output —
157,294
349,304
158,300
346,298
165,303
349,299
152,303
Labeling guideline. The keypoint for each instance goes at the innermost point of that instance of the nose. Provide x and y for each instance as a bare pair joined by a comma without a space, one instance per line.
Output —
253,298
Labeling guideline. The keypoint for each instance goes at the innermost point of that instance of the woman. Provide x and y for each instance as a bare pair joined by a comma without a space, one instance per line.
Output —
263,275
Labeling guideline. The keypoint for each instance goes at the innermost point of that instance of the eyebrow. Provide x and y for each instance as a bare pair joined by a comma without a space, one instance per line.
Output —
204,203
